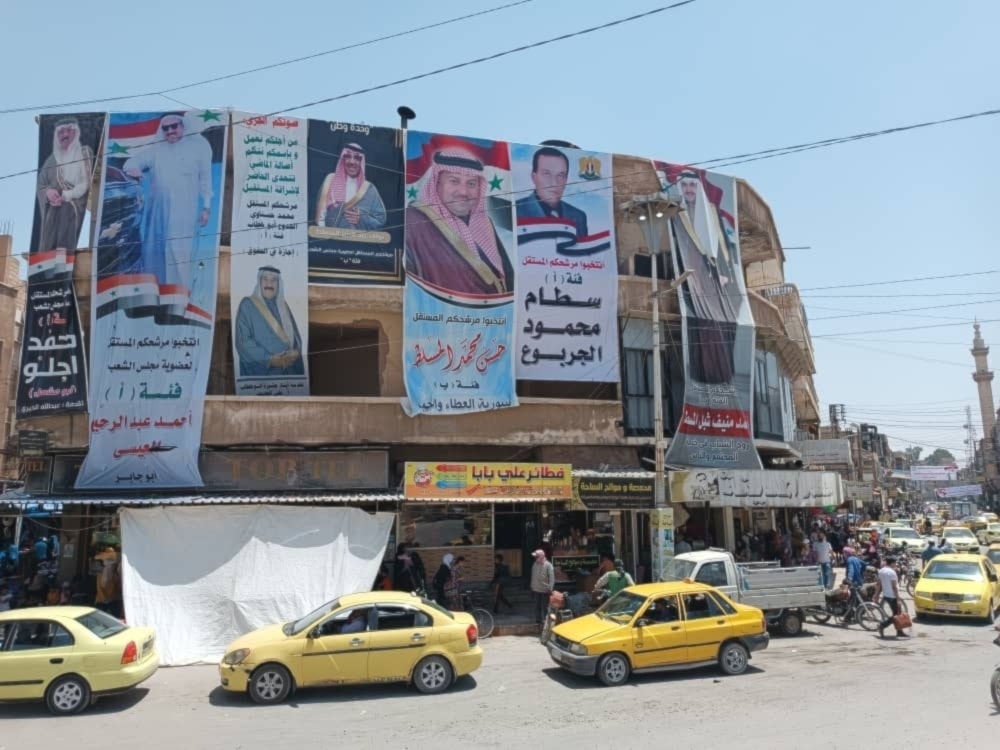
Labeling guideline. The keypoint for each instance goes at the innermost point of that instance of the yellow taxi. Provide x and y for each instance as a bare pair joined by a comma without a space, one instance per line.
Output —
958,585
660,627
993,553
70,656
380,636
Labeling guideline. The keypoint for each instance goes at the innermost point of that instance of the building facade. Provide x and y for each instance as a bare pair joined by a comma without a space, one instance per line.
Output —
11,324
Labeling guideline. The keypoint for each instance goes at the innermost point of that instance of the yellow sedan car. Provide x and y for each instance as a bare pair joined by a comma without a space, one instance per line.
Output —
70,656
381,636
958,585
660,627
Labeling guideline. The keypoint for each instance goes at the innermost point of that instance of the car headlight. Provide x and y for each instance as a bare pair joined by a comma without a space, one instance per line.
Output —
236,657
578,648
971,597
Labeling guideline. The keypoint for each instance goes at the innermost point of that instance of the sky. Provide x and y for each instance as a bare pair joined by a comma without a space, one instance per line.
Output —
707,80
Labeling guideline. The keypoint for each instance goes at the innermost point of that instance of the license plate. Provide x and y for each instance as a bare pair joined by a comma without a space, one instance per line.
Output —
947,607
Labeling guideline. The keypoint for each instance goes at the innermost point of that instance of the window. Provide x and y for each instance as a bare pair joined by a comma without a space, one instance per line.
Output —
712,574
344,360
722,604
401,618
101,624
664,609
639,392
346,622
447,525
701,607
37,634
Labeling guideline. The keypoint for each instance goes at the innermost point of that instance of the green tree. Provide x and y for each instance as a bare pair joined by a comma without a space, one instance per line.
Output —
940,457
913,453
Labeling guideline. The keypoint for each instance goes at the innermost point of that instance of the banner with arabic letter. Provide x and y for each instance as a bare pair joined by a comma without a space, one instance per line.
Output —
355,204
567,271
756,488
53,374
716,424
458,306
153,303
269,267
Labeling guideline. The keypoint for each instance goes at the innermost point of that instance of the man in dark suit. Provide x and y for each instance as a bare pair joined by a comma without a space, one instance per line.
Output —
549,170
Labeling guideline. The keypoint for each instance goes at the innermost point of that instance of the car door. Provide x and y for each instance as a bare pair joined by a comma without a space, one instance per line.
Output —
994,581
34,653
402,633
333,656
706,625
658,644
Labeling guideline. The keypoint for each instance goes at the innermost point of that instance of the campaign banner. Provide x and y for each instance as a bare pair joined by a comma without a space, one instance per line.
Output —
458,305
947,473
53,367
153,302
716,424
567,270
430,480
269,265
964,490
756,488
355,180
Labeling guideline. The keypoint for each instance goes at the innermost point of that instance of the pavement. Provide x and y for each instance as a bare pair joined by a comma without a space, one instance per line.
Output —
828,688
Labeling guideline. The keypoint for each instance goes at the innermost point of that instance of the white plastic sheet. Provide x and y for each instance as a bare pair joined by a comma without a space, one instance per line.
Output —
202,576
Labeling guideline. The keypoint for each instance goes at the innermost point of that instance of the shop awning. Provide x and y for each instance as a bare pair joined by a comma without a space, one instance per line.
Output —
20,501
484,500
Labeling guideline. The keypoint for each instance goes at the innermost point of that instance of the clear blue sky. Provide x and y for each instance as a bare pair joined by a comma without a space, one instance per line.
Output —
715,78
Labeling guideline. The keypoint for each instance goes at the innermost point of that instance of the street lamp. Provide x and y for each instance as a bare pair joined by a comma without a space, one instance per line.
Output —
653,212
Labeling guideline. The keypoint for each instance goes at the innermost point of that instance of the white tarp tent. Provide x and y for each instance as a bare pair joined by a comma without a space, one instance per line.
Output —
203,576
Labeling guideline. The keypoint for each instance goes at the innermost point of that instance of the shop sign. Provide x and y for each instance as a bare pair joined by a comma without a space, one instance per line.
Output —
661,529
37,474
301,470
614,493
433,480
32,442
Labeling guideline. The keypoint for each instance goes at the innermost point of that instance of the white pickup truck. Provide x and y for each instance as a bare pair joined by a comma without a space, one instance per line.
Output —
782,593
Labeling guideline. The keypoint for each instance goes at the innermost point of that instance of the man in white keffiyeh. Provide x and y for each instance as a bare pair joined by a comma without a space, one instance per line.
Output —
267,338
63,185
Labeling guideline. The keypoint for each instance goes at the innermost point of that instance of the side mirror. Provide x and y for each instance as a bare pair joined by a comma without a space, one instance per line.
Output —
643,622
314,633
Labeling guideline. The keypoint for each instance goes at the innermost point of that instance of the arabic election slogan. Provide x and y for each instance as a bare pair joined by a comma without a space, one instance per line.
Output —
756,488
53,375
716,424
154,289
355,204
269,260
567,272
458,308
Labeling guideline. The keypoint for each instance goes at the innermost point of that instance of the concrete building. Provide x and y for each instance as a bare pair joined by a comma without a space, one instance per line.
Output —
351,437
11,323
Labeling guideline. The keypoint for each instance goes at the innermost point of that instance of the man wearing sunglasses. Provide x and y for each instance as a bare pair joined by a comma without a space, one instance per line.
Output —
178,166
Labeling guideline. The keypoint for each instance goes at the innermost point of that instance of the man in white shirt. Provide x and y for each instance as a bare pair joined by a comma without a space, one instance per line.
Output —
888,586
543,581
823,551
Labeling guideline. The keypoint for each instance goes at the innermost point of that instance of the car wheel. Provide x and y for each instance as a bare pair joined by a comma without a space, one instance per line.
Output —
433,675
791,623
734,658
68,695
613,669
270,684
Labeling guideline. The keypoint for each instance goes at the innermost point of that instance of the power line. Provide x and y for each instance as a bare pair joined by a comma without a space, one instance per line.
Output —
270,66
908,328
900,281
863,313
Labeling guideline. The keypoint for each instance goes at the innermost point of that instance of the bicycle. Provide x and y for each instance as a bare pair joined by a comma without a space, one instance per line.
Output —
473,604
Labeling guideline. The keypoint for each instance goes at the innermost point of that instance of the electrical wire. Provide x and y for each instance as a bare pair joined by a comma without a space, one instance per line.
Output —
900,281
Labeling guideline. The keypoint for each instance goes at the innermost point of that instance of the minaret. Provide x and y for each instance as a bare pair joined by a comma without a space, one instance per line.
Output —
984,380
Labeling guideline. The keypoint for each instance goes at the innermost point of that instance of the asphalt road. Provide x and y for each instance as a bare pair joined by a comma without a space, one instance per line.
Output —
829,688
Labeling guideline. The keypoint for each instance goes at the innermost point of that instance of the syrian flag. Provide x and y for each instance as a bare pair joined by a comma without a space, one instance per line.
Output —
138,295
563,232
51,261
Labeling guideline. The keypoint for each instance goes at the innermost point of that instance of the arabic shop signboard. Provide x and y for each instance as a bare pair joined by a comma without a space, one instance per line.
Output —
431,480
756,489
308,470
32,442
833,451
613,493
858,493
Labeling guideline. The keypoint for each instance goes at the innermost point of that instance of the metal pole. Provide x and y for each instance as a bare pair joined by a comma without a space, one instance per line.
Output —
659,490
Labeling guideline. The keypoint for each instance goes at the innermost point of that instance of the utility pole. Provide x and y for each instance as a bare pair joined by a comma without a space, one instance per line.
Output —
970,441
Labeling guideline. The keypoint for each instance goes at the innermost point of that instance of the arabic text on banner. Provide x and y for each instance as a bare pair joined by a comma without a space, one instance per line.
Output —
431,480
53,374
355,187
716,424
756,488
948,473
567,270
153,303
268,264
458,308
965,490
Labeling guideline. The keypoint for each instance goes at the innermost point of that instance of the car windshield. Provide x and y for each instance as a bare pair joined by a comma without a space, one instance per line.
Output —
622,606
101,624
994,527
905,534
948,570
301,624
957,532
678,570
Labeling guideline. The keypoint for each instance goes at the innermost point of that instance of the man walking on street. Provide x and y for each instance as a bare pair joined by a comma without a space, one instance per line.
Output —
543,581
888,586
823,550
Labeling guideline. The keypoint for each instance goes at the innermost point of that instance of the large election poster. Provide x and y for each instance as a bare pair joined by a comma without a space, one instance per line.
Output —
153,303
458,308
716,424
355,204
567,272
269,266
53,374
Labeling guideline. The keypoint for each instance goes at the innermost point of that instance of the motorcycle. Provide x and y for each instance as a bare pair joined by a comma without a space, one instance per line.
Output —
995,680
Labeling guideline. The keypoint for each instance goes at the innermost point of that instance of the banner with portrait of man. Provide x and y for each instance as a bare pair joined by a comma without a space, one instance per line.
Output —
153,301
716,423
567,270
269,265
53,372
355,194
458,305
